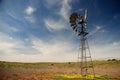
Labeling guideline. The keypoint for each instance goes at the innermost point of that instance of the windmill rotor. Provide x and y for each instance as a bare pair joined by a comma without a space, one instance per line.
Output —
77,22
74,21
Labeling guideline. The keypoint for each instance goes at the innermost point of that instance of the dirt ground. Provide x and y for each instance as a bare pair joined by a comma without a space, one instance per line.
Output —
45,73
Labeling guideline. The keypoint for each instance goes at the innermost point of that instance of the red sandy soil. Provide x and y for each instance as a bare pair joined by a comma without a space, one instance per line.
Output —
48,72
20,73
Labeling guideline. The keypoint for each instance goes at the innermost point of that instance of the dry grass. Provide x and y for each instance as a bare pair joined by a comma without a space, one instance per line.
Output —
48,71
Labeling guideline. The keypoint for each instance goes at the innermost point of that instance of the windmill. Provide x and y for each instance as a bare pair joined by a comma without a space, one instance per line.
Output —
78,24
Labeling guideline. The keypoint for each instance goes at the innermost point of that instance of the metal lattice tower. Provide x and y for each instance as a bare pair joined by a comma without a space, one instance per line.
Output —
78,23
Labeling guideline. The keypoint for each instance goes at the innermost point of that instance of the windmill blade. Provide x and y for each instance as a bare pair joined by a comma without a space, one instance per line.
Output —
73,17
85,15
72,24
74,27
72,20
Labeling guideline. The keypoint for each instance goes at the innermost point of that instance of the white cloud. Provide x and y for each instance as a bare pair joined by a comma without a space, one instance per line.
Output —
54,46
6,43
96,30
56,50
30,19
81,9
50,4
106,51
55,25
30,10
116,44
10,45
29,14
14,29
12,14
39,50
8,28
65,9
12,48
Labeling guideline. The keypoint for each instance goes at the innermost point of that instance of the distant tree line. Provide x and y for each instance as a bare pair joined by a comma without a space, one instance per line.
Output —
113,60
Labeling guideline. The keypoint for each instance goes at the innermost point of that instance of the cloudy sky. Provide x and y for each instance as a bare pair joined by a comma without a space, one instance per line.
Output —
39,30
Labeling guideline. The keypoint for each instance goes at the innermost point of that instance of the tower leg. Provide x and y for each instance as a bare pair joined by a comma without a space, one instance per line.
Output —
86,60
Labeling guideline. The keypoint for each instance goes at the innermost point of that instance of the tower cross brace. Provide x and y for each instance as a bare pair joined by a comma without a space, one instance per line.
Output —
85,57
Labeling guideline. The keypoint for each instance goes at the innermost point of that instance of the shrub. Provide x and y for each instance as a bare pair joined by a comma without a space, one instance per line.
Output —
114,60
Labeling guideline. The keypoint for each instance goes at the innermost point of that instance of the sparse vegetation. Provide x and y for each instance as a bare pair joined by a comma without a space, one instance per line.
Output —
105,70
112,60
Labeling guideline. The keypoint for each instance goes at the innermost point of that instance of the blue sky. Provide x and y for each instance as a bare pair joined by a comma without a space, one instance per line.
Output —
39,30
